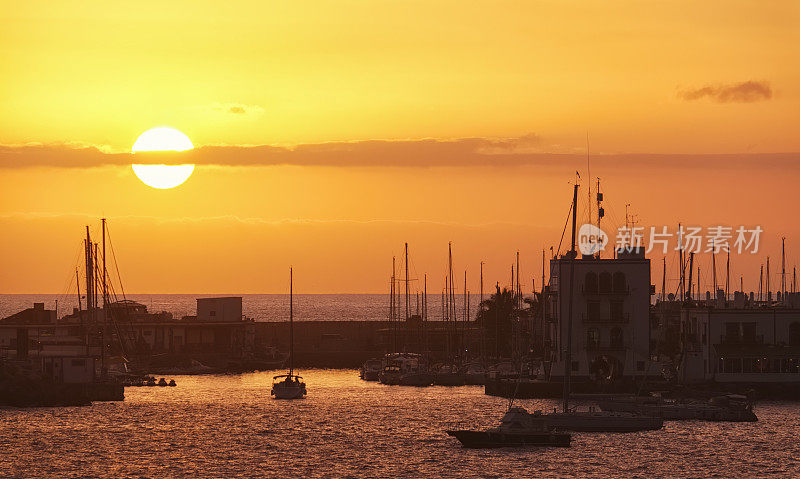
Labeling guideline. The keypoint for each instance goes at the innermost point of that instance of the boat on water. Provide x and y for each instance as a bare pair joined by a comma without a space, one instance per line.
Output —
370,370
728,408
475,374
405,369
517,428
448,375
290,385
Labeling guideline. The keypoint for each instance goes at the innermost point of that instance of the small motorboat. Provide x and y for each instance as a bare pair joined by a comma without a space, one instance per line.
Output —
162,382
171,383
518,427
288,386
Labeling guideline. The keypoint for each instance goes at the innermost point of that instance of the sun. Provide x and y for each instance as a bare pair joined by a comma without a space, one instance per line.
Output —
162,138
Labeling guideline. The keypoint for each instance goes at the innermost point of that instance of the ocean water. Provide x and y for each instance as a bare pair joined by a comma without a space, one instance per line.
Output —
261,307
229,427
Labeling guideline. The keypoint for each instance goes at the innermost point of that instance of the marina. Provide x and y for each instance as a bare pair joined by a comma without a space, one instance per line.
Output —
227,425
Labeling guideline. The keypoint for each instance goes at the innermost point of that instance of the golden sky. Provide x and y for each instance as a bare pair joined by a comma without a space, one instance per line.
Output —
329,133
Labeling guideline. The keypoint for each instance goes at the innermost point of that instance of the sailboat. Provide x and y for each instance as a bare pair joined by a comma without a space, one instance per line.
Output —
290,385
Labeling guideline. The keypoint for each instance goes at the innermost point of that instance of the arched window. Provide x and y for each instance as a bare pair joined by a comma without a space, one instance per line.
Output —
794,334
590,283
620,285
592,337
616,338
605,282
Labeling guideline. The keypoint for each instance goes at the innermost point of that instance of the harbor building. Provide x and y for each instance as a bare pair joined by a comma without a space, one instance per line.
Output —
741,340
610,309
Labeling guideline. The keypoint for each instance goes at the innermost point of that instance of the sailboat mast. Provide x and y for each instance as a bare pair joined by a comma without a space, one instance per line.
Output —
783,267
105,296
291,322
394,306
78,283
571,258
89,268
406,261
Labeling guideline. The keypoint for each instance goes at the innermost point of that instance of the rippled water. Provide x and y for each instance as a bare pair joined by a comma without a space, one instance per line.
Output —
228,426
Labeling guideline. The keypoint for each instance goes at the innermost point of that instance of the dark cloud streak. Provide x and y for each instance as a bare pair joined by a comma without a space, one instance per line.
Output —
745,92
467,152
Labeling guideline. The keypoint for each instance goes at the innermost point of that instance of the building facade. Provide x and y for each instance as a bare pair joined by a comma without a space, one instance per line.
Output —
609,302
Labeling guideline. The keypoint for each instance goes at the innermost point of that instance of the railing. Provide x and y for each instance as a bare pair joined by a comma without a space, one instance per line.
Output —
739,339
611,292
596,346
625,318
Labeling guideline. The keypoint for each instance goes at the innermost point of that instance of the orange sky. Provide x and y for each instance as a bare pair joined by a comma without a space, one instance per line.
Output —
504,91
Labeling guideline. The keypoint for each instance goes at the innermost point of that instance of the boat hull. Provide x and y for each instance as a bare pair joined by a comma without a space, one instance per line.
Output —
416,379
681,412
370,375
493,439
591,422
288,392
448,379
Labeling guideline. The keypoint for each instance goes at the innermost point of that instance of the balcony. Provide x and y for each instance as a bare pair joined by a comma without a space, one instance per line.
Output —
597,346
599,292
623,319
742,340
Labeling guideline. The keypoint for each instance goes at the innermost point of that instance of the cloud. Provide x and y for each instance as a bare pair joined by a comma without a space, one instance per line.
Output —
231,109
744,92
425,153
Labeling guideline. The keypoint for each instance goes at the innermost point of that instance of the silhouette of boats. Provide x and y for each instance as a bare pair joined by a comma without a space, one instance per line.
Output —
290,385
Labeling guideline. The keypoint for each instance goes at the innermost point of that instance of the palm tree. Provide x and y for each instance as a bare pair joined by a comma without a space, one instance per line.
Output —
496,319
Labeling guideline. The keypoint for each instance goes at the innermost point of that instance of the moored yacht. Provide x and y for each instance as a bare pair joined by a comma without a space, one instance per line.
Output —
731,408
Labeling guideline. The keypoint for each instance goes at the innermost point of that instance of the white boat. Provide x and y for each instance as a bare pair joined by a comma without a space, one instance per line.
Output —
290,385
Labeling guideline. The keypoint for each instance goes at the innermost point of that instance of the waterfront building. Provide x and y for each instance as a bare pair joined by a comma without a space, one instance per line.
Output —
610,316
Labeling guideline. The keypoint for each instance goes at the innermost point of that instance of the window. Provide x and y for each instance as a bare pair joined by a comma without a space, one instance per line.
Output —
794,334
605,282
749,332
590,283
593,310
592,337
575,366
732,332
617,313
620,285
640,365
78,363
616,338
212,313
